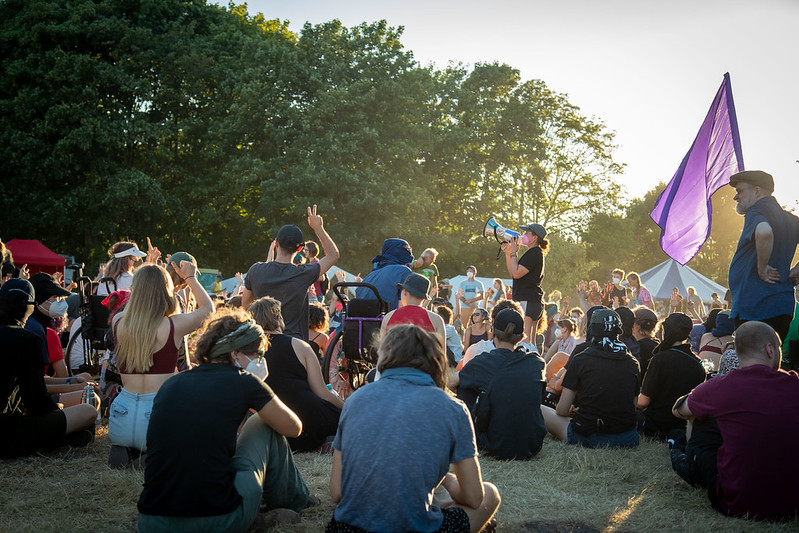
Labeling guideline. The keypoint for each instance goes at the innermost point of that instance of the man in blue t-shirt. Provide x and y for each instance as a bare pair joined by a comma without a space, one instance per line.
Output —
470,293
761,278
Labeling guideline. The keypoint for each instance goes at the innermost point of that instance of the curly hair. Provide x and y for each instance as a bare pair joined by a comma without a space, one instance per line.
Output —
317,317
223,321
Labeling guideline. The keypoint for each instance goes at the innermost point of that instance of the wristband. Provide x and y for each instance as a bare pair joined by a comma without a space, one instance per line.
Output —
69,380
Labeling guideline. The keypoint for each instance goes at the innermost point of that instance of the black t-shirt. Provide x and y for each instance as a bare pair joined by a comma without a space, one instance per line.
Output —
528,287
514,426
191,440
671,374
647,345
606,385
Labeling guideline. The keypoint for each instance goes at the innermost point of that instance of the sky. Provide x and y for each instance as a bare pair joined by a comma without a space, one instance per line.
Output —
647,69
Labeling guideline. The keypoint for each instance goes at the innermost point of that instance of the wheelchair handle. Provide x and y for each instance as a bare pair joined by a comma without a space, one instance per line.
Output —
356,284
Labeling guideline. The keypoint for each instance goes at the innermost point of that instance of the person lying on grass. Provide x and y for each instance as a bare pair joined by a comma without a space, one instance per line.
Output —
199,476
396,440
31,420
599,390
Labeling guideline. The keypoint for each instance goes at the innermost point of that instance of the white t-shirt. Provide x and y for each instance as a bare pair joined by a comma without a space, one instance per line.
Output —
124,281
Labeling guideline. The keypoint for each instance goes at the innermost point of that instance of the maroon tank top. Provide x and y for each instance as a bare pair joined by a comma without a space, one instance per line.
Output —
164,360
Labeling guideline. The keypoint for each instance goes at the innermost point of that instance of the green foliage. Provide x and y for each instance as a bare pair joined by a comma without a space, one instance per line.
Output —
208,128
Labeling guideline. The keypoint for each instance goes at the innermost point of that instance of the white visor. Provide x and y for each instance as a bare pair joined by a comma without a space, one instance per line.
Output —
130,251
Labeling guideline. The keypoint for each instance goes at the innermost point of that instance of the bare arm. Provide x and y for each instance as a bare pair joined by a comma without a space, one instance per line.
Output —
309,360
335,477
764,244
189,322
515,270
279,417
466,486
565,403
681,409
247,298
330,248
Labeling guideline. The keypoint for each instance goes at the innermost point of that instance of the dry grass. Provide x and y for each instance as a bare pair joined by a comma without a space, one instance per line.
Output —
563,489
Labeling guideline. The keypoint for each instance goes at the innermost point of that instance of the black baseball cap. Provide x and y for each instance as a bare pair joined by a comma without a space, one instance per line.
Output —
46,286
538,229
18,289
416,284
290,236
507,317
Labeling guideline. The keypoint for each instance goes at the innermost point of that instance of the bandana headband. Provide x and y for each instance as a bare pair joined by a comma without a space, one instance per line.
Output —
245,334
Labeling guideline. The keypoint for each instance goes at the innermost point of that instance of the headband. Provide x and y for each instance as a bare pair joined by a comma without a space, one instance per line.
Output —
245,334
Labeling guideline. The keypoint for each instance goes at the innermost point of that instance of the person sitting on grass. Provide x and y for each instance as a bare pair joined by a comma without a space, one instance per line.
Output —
673,371
503,389
148,334
396,441
478,328
31,420
296,378
201,476
745,429
599,390
454,346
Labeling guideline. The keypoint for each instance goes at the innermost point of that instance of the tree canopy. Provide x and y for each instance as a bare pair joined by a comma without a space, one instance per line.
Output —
207,128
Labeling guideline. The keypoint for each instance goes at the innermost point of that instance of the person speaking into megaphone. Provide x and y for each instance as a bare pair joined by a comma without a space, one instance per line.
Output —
527,272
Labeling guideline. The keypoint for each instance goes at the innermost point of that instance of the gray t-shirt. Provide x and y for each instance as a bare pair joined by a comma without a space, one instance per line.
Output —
288,284
397,438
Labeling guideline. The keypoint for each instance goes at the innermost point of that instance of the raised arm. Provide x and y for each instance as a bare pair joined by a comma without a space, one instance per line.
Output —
515,270
330,248
189,322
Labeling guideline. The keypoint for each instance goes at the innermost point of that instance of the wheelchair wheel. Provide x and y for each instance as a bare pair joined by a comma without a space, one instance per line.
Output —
342,374
68,351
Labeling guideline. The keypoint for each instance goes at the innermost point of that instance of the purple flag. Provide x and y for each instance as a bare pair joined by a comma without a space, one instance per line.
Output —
683,210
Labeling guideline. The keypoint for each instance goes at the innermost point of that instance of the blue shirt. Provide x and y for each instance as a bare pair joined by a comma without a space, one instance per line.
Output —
385,280
470,290
397,438
753,298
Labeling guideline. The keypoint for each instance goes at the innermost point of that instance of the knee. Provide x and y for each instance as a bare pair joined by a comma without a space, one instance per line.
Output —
491,498
86,414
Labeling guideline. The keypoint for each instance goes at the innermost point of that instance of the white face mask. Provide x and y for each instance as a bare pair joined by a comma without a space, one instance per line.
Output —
616,281
256,367
469,274
576,318
56,309
558,333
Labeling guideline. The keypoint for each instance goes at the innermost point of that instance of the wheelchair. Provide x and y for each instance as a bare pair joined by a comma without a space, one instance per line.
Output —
352,350
94,327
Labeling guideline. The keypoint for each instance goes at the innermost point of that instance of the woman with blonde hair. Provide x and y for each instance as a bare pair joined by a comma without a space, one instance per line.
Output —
296,378
148,334
201,475
417,427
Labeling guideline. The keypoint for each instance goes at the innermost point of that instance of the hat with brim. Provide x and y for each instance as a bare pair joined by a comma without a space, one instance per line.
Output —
46,286
416,285
757,178
17,289
134,251
538,229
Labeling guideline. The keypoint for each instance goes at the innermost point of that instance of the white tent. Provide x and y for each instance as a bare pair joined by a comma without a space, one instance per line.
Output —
661,280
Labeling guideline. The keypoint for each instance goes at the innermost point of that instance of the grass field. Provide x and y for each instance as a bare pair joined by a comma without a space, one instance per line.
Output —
564,489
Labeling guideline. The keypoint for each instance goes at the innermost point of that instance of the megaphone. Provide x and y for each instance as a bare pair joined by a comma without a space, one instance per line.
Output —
493,229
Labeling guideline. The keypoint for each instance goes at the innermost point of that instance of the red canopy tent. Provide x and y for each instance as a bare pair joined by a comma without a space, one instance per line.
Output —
36,255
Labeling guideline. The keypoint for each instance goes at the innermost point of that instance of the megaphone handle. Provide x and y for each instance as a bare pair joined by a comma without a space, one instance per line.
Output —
499,252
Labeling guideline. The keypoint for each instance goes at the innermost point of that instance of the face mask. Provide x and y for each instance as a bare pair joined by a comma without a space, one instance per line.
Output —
469,274
56,309
525,240
257,367
556,317
558,334
616,281
576,318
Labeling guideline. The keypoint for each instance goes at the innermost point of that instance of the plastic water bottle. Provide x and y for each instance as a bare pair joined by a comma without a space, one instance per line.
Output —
330,388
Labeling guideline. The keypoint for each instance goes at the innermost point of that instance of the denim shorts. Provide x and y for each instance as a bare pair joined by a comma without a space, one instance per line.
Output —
627,439
128,419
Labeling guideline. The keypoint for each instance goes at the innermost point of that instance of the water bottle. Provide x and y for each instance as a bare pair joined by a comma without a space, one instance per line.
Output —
88,395
330,388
